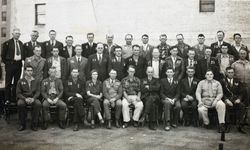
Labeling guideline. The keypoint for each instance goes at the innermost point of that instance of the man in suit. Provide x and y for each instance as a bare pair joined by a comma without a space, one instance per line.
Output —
28,92
188,87
99,62
12,55
209,94
28,47
225,60
78,62
237,45
181,46
138,62
163,47
156,63
75,95
170,96
89,47
68,50
118,63
233,98
52,92
112,91
208,63
127,48
146,49
150,89
200,47
59,63
191,61
109,48
175,62
216,46
37,63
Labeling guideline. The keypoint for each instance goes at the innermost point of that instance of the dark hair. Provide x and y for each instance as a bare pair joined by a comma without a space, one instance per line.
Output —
136,45
201,35
92,71
35,31
69,36
221,32
37,46
209,70
144,35
190,67
52,31
131,66
170,68
78,45
117,47
129,35
235,34
229,68
180,35
163,35
90,34
112,70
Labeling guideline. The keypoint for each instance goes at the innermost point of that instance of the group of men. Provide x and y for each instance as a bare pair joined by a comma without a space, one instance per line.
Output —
149,81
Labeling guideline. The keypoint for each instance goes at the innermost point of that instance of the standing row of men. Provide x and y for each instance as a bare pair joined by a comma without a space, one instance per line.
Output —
105,57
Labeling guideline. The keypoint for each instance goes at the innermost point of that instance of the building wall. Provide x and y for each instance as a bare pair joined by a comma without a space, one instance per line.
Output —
78,17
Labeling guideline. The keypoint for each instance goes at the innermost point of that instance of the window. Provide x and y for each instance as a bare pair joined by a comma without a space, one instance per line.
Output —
40,14
207,5
4,16
4,2
3,32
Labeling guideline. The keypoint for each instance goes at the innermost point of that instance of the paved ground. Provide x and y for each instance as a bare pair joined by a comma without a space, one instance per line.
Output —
182,138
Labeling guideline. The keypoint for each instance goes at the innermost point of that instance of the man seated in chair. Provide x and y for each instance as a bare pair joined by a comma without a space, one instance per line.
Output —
209,94
188,87
28,91
233,98
112,91
131,97
150,89
170,98
75,95
52,92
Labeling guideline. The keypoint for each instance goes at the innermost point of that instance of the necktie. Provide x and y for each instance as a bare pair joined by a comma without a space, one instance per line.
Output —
100,58
190,82
33,44
174,59
17,48
231,82
191,63
170,81
78,61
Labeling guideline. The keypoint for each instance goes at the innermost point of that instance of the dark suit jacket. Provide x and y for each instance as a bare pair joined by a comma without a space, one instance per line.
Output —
179,67
202,67
119,67
112,50
148,53
64,68
8,51
65,53
183,50
170,91
149,63
236,53
87,50
140,66
232,92
45,86
185,89
82,67
28,48
154,88
23,90
71,88
217,49
164,49
102,67
47,48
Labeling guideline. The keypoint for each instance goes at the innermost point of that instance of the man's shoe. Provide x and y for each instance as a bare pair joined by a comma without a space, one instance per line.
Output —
195,123
151,126
92,124
21,127
45,126
167,128
174,125
61,125
109,124
186,123
241,130
136,124
221,128
86,123
101,121
117,124
34,127
206,126
125,125
76,127
227,128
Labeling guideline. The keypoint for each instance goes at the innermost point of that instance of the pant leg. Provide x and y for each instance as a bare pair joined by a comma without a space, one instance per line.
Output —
8,79
221,111
17,74
227,115
78,109
62,110
125,110
36,107
106,106
203,112
22,112
184,105
166,109
95,105
118,109
240,112
46,116
138,110
194,116
177,109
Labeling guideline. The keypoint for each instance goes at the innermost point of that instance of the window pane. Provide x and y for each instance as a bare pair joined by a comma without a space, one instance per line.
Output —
3,32
4,2
207,5
40,14
4,16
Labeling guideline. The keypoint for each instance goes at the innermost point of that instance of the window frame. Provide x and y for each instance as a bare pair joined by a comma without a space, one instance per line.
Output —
3,32
206,2
37,13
